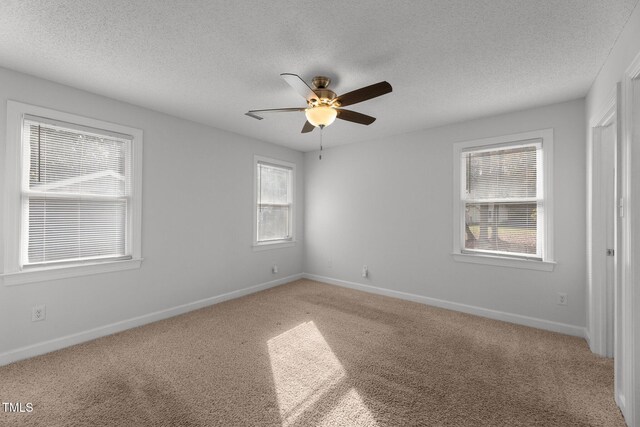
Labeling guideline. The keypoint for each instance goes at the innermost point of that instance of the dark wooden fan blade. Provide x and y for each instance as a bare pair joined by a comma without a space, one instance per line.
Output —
364,94
256,113
352,116
308,127
299,85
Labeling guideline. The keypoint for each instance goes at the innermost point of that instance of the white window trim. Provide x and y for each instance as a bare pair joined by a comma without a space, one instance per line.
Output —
13,274
548,261
273,244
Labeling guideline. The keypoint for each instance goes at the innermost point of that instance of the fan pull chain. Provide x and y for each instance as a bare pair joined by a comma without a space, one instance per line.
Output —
321,132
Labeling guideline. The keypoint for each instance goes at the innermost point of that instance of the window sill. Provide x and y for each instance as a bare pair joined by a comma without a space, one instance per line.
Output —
505,261
53,273
273,245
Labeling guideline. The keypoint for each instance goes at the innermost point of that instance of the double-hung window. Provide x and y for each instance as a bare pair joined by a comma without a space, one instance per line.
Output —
75,201
502,200
274,202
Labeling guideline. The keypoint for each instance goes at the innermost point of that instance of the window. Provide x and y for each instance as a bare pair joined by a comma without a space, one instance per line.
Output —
274,202
502,201
75,196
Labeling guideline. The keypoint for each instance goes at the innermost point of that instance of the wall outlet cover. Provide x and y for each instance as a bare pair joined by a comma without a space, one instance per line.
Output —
38,313
561,299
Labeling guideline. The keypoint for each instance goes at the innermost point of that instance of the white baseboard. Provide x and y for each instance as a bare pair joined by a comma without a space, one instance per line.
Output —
620,401
80,337
533,322
587,337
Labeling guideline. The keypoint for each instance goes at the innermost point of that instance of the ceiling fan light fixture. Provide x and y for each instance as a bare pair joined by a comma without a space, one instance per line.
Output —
323,105
321,115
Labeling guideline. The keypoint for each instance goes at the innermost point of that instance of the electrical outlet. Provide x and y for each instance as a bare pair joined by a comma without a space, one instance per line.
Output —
561,298
274,269
38,313
365,271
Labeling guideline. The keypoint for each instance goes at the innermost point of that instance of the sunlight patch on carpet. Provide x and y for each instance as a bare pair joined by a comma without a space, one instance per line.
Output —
305,370
351,410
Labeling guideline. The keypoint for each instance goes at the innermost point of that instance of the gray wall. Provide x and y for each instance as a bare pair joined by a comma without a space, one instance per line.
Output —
196,222
388,204
385,203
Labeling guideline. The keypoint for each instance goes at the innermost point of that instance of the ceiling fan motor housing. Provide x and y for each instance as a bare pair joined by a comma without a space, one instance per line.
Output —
325,96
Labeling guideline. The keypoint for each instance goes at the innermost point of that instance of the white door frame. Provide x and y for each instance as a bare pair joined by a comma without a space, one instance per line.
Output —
628,374
599,211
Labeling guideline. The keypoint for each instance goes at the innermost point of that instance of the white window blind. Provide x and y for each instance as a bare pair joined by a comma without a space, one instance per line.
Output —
503,199
76,193
274,202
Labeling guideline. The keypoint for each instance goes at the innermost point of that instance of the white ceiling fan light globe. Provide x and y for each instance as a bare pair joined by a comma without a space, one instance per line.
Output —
321,116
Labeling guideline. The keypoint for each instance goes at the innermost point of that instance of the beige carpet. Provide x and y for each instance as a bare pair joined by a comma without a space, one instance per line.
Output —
307,354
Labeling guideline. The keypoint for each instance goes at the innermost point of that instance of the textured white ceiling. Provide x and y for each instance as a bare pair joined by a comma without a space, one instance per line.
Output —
211,61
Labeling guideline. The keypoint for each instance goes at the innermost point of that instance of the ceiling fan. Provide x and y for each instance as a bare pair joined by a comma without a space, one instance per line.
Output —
323,105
